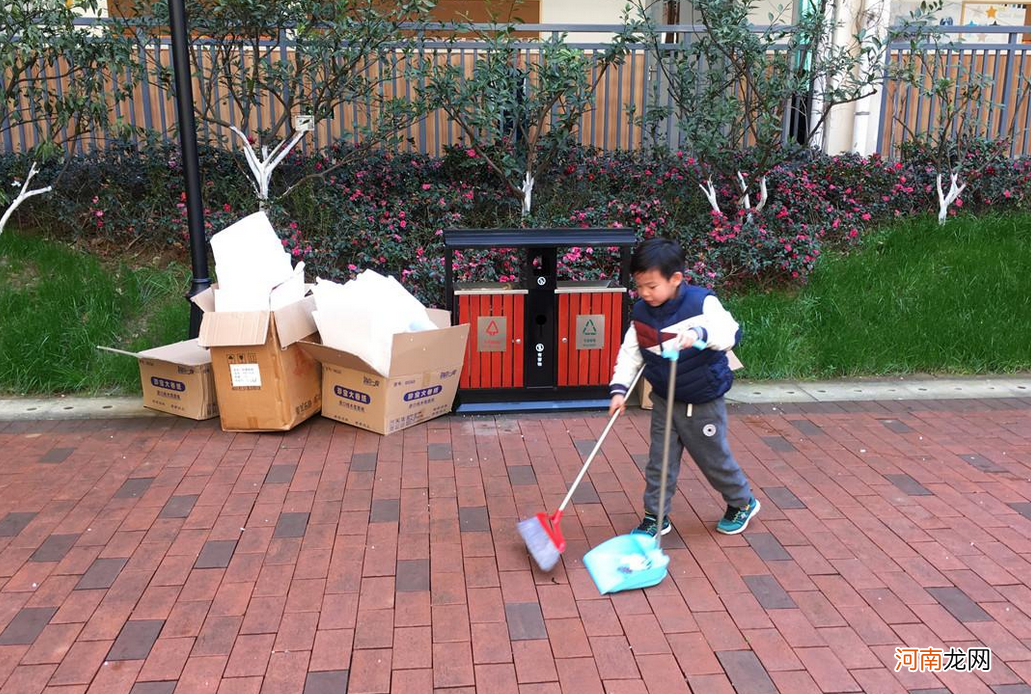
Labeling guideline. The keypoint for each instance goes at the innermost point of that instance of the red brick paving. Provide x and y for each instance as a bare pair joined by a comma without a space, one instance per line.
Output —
161,555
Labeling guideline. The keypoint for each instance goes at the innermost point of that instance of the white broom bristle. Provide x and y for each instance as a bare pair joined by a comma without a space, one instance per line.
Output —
539,544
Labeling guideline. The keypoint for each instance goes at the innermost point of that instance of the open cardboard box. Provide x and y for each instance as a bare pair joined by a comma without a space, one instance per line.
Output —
264,380
420,384
176,379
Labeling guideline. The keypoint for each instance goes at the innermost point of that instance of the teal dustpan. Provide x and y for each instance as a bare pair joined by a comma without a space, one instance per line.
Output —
628,562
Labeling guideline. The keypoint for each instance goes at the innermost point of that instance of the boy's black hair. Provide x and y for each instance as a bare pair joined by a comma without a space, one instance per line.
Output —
664,255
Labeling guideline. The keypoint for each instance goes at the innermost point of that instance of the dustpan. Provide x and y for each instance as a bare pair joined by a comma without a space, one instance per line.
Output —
629,562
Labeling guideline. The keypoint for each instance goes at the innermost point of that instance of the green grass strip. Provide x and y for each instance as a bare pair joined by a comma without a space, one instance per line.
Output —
57,304
915,298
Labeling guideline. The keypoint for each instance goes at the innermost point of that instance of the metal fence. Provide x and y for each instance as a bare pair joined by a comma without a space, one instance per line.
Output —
997,55
633,85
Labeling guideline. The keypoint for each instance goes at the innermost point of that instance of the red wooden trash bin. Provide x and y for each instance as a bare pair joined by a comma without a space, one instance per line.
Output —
538,344
590,322
494,352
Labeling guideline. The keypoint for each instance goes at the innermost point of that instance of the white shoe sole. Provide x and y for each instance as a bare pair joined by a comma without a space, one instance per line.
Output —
664,532
747,521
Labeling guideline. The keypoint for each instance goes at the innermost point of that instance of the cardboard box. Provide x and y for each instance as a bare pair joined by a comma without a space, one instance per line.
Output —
419,385
644,389
264,380
177,379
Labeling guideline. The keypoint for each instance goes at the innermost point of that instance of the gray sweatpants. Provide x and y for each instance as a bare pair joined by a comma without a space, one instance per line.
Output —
704,435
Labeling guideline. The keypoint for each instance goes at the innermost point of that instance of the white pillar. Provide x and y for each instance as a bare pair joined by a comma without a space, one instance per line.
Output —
875,18
837,128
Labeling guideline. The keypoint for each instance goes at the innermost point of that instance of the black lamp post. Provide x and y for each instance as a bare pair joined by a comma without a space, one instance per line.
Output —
191,162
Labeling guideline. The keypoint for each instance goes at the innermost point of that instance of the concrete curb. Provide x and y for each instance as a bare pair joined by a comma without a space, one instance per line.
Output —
74,407
745,392
858,390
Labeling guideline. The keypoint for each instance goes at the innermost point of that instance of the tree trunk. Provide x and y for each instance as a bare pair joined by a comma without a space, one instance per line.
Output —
946,199
23,195
527,194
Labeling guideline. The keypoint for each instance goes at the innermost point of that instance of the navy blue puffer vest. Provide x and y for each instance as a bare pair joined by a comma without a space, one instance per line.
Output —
702,375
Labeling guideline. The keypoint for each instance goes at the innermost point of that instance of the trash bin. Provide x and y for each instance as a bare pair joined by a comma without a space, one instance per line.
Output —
538,344
590,322
494,353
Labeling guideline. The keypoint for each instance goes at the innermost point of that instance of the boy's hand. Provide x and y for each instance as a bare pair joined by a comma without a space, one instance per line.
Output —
618,403
688,338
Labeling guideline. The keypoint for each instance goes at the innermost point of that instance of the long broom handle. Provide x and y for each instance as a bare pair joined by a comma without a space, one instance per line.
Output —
665,448
597,446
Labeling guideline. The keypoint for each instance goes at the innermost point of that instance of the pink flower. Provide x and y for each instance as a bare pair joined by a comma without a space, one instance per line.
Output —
471,153
426,186
866,216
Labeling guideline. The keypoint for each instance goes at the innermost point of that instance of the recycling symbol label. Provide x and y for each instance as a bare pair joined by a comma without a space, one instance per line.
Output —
491,333
590,331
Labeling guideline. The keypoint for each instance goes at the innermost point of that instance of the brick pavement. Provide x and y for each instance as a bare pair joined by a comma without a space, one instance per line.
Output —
161,555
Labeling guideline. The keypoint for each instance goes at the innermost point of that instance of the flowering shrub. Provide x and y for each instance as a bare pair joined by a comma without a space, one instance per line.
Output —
389,211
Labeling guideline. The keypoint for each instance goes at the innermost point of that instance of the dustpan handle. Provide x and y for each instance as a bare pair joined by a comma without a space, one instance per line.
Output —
597,446
671,392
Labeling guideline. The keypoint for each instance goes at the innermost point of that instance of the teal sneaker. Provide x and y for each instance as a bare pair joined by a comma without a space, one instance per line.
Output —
735,520
650,525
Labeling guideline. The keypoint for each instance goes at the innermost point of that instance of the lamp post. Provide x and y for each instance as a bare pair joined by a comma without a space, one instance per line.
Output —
191,162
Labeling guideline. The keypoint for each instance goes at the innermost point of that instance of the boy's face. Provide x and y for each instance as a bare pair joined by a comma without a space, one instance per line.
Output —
655,289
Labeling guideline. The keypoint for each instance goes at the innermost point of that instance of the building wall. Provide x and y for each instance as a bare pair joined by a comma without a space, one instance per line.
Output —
583,12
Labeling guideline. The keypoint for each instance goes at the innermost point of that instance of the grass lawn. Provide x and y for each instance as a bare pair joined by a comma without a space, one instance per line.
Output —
57,304
916,298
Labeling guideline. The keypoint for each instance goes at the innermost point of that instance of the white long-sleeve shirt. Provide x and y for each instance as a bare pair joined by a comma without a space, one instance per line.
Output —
715,325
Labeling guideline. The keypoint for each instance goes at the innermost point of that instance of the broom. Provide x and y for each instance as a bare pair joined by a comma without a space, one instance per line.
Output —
542,534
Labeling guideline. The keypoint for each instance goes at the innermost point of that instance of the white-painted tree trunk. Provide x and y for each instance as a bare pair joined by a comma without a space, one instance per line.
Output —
744,189
528,182
262,168
23,195
946,199
746,202
710,194
763,195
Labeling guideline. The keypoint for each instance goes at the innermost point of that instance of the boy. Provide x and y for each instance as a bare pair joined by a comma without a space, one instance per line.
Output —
669,308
